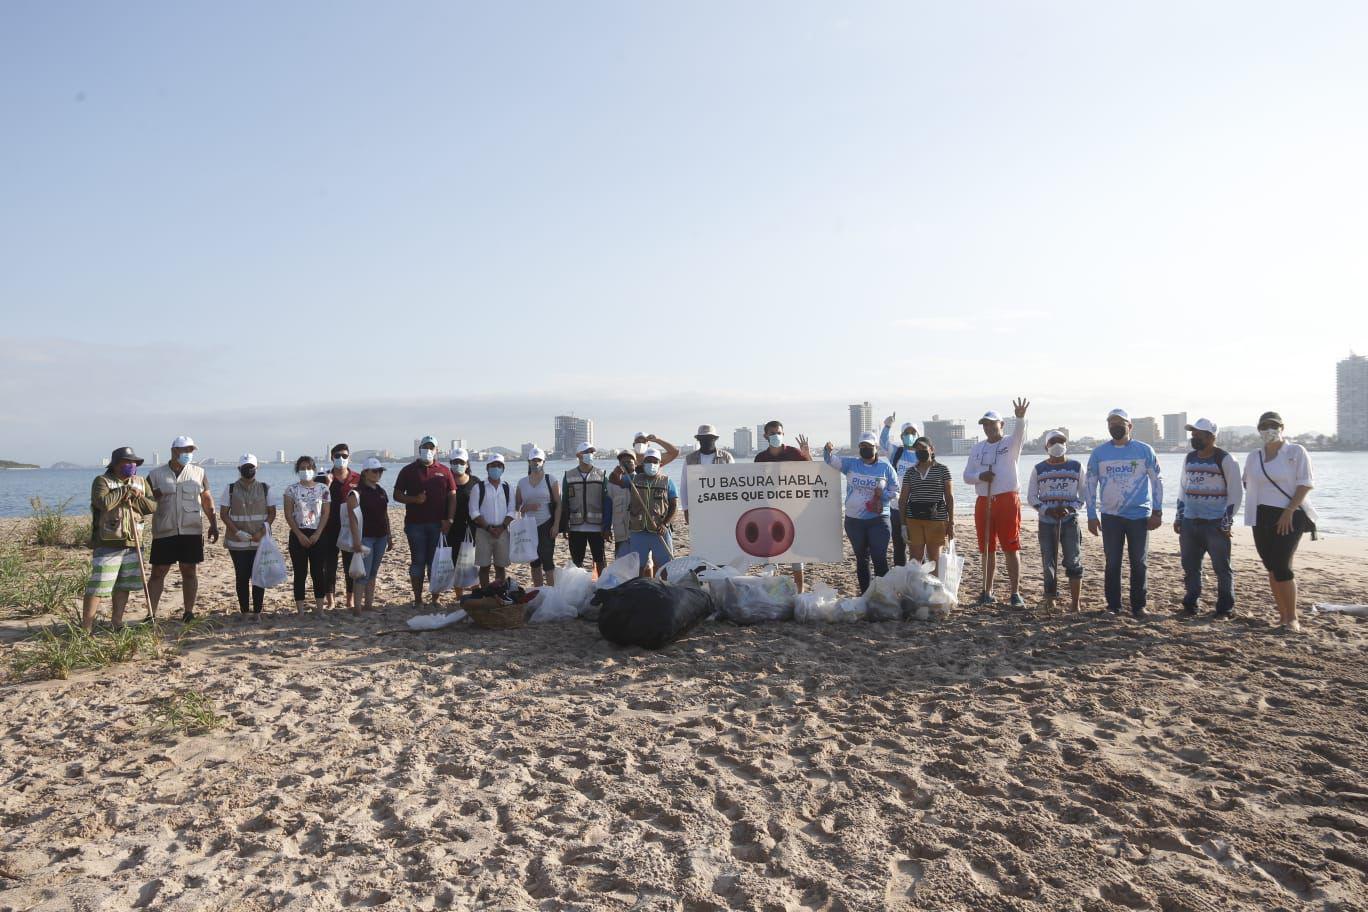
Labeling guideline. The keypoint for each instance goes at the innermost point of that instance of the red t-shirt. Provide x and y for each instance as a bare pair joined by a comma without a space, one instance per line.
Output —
787,454
436,480
338,491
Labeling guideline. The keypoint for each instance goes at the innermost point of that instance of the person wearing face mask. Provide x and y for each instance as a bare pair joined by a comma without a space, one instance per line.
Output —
1123,486
1277,478
668,451
492,510
1055,489
585,512
651,506
375,534
926,503
307,505
620,495
249,510
870,486
119,499
459,516
902,458
538,496
1209,495
428,492
183,501
992,470
776,450
706,454
341,481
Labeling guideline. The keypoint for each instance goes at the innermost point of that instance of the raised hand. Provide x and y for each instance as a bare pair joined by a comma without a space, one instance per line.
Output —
1020,406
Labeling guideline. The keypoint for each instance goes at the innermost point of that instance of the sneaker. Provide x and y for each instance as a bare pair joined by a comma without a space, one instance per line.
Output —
1112,609
1139,613
1017,601
985,598
1189,611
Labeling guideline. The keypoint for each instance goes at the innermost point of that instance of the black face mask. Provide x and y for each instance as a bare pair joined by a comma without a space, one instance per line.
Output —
247,471
707,446
922,455
1118,431
866,452
1197,443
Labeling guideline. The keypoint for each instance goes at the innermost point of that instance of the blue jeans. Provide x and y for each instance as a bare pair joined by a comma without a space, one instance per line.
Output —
423,539
1064,535
869,538
1200,537
1132,535
377,552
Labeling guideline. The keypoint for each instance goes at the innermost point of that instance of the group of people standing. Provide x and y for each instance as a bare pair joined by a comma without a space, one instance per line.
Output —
342,515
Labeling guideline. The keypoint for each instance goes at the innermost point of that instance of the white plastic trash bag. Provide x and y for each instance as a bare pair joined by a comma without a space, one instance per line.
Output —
466,555
443,575
357,570
715,581
620,571
817,606
268,567
345,541
435,621
851,609
678,569
467,575
752,599
550,606
884,598
950,569
522,540
575,586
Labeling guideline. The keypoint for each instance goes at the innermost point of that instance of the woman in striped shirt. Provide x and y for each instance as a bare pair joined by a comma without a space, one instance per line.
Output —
927,504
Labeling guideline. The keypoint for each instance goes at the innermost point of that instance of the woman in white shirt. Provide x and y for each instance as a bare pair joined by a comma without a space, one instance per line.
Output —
307,504
1277,478
538,497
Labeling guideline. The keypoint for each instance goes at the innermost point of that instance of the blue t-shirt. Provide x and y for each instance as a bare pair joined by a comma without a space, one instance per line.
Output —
863,500
1124,481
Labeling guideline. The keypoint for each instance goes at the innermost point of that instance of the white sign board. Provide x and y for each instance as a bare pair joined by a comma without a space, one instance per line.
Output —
785,512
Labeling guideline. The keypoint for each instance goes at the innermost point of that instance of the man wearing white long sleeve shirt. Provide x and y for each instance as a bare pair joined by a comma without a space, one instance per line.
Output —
992,470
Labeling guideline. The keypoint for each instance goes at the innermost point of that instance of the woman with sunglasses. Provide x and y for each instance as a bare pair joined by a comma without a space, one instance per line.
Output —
1277,478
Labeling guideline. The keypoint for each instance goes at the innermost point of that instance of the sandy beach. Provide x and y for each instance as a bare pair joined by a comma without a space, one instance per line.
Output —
1002,760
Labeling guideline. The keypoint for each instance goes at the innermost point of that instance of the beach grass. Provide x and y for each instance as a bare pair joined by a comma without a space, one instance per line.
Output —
50,526
34,584
56,652
188,711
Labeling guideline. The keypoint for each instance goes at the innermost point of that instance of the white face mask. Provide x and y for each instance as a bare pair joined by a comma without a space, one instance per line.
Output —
1271,435
425,456
1057,449
639,448
775,440
341,462
305,474
458,467
586,458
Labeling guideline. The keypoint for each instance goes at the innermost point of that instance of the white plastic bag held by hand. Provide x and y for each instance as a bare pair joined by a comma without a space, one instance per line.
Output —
522,540
268,567
950,568
620,571
466,556
443,576
357,570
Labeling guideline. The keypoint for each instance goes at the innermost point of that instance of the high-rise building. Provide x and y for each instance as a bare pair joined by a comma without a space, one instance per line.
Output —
943,432
1351,399
527,449
1009,425
760,442
1175,428
416,441
156,458
861,422
457,443
280,456
1145,430
571,432
743,444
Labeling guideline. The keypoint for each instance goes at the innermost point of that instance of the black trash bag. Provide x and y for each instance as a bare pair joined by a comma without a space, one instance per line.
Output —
649,613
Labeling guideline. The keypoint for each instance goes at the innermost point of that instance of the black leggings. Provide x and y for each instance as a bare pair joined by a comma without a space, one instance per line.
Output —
546,546
1275,550
308,561
594,541
242,570
330,562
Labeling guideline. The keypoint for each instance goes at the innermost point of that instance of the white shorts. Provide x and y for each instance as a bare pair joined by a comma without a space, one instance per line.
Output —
490,549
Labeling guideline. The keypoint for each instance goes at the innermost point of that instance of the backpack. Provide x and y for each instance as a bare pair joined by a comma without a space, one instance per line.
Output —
508,497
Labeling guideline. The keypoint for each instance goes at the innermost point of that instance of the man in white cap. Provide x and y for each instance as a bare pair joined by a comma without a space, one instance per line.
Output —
183,501
119,499
992,470
901,456
1056,491
538,496
492,510
248,511
1208,499
706,454
651,506
426,489
586,509
1123,485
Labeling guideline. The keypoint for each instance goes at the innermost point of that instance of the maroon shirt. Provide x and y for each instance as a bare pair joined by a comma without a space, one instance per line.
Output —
436,480
787,454
338,491
374,511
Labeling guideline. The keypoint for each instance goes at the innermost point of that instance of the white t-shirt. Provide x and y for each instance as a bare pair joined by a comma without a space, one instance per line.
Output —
703,459
1000,458
1290,468
308,503
536,499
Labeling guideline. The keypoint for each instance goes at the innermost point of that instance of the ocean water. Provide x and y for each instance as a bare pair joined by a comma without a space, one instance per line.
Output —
1341,493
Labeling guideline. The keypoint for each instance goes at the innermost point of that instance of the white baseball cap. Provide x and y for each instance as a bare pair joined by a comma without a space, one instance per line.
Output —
536,453
1118,413
372,465
651,453
247,459
868,437
585,448
640,435
1053,433
990,415
182,443
909,426
495,458
459,454
1203,424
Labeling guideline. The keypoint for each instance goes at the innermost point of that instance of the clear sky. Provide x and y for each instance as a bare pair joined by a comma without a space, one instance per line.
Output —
278,224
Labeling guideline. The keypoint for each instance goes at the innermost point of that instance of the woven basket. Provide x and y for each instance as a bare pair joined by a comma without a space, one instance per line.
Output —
491,615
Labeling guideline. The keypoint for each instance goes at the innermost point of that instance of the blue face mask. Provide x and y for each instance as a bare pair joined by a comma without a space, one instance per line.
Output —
495,473
650,468
775,440
183,459
908,440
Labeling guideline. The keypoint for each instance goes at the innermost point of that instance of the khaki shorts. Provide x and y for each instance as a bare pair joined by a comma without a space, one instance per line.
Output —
925,532
490,549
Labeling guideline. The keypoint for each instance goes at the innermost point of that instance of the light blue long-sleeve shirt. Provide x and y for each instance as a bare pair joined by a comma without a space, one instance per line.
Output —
888,446
1124,481
863,500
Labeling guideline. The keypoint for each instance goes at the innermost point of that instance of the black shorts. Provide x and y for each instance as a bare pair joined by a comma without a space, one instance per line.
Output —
178,549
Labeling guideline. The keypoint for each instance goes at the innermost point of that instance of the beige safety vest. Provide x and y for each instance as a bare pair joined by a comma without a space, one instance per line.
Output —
583,497
178,501
247,510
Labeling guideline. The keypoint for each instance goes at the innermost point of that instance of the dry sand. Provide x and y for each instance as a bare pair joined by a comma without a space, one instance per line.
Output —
1001,760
